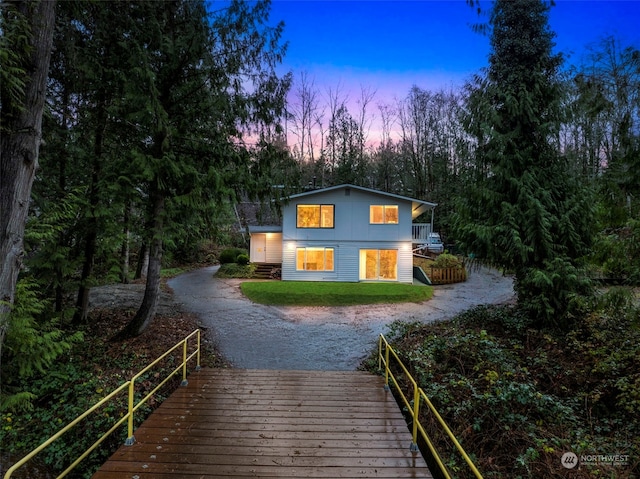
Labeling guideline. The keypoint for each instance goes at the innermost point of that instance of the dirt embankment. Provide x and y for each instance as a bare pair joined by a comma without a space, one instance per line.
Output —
129,297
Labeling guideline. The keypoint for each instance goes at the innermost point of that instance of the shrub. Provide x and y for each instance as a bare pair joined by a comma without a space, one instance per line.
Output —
617,253
242,259
446,260
234,270
517,398
230,255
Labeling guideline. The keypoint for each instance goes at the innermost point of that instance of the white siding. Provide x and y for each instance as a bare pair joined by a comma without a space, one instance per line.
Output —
346,261
405,264
274,248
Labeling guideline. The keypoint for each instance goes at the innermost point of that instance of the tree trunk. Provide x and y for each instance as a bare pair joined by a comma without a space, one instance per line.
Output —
143,261
21,134
91,238
124,252
147,310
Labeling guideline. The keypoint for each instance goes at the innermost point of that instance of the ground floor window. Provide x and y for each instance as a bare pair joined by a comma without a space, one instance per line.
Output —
314,259
379,264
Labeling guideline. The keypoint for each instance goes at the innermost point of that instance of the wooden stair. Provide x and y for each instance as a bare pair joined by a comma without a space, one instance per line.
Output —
264,270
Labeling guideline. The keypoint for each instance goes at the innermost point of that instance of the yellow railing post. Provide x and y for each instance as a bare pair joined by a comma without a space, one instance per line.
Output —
184,363
130,439
416,417
198,351
386,367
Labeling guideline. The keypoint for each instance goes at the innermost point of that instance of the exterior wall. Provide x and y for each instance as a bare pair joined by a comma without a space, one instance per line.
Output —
351,233
265,248
274,248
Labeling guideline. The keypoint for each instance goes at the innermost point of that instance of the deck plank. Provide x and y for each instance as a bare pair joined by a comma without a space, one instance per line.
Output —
254,423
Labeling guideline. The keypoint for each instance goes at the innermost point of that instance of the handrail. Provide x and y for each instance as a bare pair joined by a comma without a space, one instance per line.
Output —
131,408
384,352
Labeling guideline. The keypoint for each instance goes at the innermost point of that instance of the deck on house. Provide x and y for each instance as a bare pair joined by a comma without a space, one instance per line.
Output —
265,423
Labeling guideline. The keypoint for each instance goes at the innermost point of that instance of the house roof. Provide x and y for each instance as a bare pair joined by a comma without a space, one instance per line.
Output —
265,229
251,213
417,206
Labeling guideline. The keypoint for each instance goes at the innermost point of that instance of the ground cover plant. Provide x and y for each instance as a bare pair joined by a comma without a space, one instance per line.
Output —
313,293
235,270
518,398
80,378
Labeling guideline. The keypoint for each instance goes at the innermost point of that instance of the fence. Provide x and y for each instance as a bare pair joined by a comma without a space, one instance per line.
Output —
446,275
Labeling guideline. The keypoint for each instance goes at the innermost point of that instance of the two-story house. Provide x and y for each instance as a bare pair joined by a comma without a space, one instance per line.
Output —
344,233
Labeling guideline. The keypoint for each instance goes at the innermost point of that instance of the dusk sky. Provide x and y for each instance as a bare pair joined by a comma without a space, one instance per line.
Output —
391,45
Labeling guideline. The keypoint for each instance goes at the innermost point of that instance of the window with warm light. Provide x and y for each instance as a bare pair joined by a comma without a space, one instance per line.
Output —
383,214
314,259
314,216
379,264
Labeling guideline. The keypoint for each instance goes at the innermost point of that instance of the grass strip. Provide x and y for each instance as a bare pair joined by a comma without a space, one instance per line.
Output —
314,293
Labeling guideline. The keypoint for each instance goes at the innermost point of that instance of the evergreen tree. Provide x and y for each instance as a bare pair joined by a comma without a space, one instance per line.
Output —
197,85
527,214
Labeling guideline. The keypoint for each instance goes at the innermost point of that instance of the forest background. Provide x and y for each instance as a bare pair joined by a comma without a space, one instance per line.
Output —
161,117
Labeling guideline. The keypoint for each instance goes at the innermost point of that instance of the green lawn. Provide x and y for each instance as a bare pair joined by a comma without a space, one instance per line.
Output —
312,293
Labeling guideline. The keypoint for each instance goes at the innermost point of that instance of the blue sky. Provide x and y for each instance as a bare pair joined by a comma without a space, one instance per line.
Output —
391,45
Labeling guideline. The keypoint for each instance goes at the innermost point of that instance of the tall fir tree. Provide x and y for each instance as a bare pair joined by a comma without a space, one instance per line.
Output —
526,213
198,82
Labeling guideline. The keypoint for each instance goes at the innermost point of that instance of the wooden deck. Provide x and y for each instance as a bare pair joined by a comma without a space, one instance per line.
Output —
255,423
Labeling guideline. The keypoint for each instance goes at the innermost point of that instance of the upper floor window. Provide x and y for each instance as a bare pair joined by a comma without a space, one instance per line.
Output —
314,216
383,214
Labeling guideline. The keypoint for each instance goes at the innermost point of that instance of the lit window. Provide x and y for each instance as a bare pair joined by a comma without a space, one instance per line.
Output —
383,214
379,264
314,216
314,259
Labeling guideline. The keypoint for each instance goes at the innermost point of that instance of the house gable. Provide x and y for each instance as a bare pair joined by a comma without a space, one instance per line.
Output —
351,222
418,207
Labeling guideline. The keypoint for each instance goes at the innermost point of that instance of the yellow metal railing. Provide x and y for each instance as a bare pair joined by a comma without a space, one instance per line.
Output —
132,407
385,354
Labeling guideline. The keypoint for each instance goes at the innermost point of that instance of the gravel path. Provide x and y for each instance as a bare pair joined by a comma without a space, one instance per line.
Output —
251,335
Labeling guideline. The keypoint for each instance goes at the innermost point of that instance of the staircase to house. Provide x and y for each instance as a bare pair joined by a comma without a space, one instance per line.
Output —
265,270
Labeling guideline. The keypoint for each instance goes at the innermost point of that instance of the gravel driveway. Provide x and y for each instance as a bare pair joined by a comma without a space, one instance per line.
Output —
251,335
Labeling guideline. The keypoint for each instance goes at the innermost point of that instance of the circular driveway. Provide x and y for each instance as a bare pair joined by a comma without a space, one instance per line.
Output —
255,336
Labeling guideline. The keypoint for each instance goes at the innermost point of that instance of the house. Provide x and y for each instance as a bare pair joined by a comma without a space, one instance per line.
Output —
344,233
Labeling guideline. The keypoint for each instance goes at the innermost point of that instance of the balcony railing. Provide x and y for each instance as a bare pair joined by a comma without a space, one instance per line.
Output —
420,232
